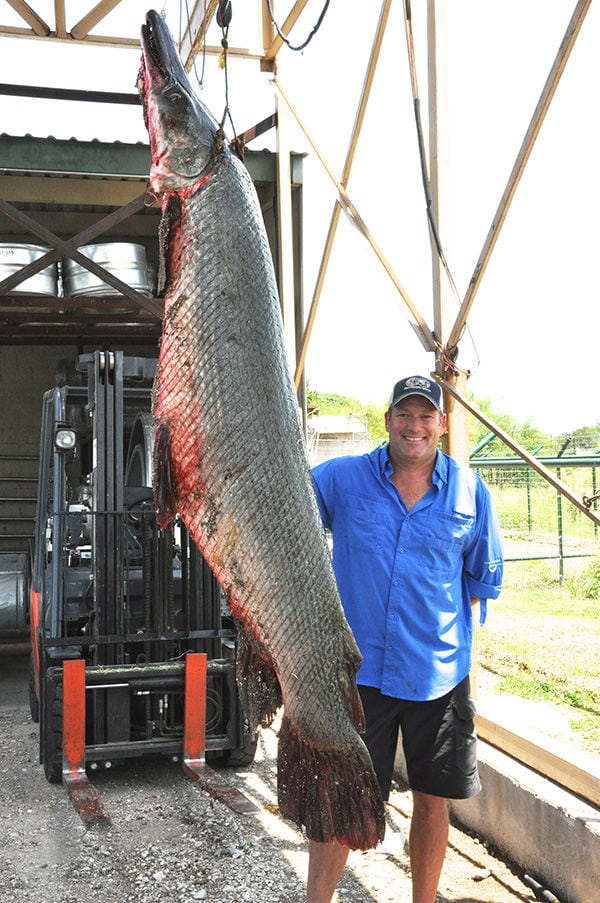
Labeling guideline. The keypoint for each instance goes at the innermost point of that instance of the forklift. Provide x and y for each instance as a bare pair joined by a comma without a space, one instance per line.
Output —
110,590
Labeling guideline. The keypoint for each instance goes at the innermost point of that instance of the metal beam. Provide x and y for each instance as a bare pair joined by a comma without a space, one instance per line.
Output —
84,238
149,304
69,94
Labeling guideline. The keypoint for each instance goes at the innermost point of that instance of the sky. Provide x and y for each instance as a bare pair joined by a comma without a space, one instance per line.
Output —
531,346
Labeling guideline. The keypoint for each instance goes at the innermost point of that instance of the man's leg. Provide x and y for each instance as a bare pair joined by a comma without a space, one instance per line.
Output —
326,863
428,840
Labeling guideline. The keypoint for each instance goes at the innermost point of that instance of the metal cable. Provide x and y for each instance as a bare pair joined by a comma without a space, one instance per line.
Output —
310,36
433,228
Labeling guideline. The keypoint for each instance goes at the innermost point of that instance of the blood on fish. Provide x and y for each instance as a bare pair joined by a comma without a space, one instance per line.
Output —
230,460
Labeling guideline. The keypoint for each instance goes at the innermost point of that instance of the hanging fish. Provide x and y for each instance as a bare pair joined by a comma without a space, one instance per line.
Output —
230,460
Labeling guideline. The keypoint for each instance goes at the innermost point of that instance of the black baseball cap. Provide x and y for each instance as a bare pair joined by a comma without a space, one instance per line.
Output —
417,385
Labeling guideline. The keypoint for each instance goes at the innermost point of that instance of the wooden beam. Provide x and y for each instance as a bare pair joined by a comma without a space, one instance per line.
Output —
60,17
192,40
535,125
534,463
37,24
67,250
267,32
455,441
290,20
552,766
91,19
419,324
335,216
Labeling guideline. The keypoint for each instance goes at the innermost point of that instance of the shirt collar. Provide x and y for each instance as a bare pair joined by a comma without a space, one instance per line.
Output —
440,468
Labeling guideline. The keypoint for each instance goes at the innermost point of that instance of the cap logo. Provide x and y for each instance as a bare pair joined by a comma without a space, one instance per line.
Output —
417,385
418,382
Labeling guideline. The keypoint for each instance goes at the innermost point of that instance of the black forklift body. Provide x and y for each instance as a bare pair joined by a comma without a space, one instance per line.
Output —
112,588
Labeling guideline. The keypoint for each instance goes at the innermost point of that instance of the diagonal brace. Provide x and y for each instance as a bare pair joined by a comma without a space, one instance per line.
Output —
67,249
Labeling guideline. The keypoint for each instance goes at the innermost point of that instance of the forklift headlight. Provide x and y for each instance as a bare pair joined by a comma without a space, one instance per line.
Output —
65,439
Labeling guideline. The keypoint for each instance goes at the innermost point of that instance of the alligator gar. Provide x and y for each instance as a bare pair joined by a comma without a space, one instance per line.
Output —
230,460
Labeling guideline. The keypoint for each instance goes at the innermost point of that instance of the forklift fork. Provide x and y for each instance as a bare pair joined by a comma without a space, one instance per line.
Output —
83,793
194,739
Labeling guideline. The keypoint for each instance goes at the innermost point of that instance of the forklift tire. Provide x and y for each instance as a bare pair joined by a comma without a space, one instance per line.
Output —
243,755
52,731
240,757
34,705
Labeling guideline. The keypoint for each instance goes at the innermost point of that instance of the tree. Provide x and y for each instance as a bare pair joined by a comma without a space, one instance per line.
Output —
526,433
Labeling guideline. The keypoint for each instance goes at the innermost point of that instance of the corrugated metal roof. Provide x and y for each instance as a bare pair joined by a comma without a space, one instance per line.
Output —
66,190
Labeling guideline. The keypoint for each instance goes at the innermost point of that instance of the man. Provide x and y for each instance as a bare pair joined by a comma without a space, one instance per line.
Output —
416,544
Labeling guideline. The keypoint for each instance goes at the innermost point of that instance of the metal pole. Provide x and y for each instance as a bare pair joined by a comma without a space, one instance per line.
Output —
559,518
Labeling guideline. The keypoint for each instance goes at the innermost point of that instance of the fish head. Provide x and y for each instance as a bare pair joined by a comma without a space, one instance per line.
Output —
182,131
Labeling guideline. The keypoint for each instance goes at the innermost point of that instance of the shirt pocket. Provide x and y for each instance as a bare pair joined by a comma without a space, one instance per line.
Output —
363,524
443,540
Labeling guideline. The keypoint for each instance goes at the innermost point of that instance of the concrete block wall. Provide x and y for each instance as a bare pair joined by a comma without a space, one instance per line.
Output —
545,831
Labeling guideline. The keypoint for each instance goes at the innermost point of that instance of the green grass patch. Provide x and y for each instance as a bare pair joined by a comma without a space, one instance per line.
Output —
542,642
588,729
586,585
585,720
531,687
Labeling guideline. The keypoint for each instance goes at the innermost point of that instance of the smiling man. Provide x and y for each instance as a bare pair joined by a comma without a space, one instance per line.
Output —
416,543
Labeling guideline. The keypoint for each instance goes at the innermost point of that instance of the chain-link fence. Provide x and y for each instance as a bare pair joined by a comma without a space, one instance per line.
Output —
537,522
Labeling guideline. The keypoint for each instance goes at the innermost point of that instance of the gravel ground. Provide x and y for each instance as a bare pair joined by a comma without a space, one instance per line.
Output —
170,842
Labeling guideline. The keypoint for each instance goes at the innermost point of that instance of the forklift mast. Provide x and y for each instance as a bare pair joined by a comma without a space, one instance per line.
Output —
111,588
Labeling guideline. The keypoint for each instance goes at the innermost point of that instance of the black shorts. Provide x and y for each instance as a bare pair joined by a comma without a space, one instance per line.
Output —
438,738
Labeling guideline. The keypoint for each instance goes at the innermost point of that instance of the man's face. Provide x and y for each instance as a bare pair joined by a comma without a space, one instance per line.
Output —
414,426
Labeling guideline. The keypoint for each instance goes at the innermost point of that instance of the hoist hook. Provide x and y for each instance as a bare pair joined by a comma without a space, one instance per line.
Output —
224,14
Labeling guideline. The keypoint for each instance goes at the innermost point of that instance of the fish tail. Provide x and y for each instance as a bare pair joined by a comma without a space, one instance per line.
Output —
259,687
164,480
347,677
331,791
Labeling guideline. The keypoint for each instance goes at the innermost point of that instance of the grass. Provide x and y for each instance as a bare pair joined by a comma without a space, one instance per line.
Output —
542,642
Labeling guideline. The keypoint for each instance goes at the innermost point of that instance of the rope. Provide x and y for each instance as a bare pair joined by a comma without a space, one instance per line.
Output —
223,18
224,14
199,78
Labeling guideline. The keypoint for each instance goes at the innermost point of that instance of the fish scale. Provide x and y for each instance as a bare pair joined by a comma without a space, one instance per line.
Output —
230,460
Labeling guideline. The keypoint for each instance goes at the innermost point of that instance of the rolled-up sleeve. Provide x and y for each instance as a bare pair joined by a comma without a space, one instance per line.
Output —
484,560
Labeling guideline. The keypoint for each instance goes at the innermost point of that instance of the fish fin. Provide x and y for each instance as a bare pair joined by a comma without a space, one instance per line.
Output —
331,791
259,688
164,482
171,215
352,661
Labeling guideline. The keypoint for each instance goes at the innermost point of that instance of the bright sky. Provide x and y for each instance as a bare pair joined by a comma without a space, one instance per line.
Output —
534,327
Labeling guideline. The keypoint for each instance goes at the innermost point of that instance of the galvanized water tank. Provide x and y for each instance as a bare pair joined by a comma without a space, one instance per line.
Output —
125,260
13,257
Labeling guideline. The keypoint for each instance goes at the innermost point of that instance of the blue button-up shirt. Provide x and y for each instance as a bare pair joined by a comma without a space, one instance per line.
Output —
406,577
